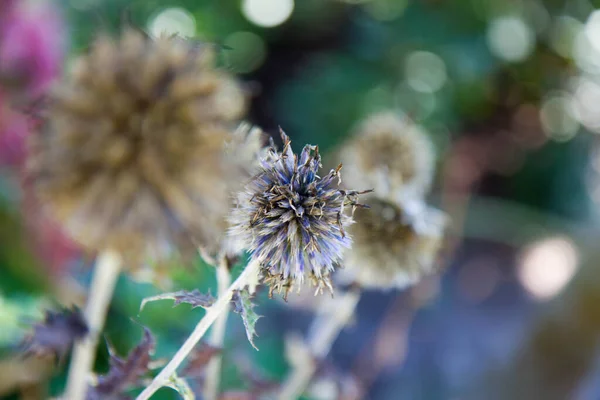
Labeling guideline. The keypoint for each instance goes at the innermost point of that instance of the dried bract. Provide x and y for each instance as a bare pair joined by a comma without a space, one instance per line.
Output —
293,221
139,152
391,155
124,373
394,245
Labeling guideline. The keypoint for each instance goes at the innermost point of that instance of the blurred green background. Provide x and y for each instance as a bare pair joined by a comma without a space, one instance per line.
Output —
509,92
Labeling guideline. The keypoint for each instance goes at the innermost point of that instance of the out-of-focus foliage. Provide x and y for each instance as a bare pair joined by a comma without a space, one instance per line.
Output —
509,93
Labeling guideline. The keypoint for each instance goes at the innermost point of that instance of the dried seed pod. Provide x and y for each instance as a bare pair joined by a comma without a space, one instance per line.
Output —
293,221
393,245
137,153
390,155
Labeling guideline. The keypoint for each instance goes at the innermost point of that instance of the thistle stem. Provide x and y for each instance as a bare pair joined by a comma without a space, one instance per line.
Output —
323,332
106,272
212,313
217,336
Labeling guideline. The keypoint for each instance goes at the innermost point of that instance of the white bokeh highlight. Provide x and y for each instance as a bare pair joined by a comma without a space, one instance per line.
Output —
173,21
425,72
510,38
547,266
557,115
267,13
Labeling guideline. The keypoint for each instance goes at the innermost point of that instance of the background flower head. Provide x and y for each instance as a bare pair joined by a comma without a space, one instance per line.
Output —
394,244
136,155
389,154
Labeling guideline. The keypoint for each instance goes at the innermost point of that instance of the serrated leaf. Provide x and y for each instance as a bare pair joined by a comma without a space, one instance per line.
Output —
181,386
194,297
242,304
57,333
124,373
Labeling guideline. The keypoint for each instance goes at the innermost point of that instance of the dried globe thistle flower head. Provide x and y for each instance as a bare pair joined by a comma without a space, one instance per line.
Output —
389,154
138,152
293,221
394,245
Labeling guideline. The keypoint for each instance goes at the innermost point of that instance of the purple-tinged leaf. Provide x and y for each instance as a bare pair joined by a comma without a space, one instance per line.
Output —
57,333
194,297
124,374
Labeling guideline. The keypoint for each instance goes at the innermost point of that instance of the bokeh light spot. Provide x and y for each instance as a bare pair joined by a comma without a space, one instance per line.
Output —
267,13
173,21
563,35
556,114
510,39
585,98
246,51
592,29
547,266
425,72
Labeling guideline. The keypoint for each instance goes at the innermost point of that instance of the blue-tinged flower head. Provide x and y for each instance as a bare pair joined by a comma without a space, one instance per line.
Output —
292,220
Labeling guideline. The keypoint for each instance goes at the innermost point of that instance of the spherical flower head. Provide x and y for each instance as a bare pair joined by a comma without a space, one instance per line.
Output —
31,47
137,154
395,245
292,221
391,155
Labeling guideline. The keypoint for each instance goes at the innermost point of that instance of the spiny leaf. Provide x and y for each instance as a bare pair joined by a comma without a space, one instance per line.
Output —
124,373
194,297
242,304
56,333
181,386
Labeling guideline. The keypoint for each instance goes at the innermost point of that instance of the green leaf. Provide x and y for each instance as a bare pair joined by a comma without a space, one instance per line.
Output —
181,386
242,304
194,297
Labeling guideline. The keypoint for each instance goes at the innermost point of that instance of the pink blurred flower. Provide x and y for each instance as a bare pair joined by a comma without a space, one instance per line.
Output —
31,47
14,129
31,57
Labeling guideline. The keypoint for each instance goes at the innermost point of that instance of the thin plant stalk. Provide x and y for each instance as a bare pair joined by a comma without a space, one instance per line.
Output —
324,330
217,336
107,269
248,276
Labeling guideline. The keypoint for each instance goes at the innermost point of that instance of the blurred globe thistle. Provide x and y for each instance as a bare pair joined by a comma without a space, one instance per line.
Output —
138,154
293,221
393,245
389,154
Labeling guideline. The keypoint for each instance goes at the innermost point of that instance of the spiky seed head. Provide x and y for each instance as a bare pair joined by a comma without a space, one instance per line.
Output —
292,221
137,153
393,245
389,154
